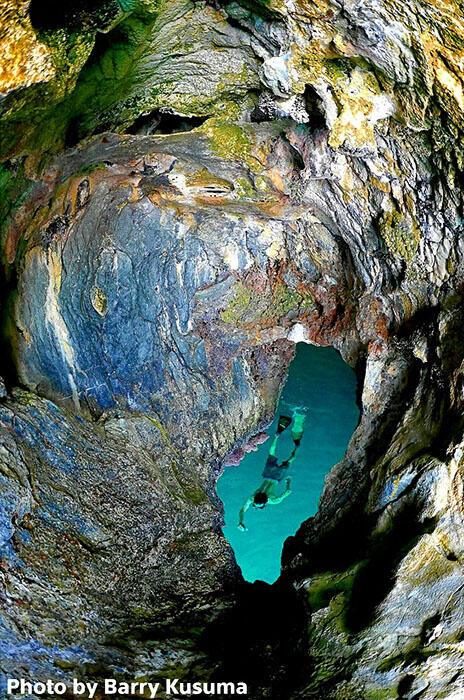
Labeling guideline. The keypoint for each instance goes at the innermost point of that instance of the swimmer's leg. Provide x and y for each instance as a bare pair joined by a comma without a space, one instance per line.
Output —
298,426
284,422
272,449
292,457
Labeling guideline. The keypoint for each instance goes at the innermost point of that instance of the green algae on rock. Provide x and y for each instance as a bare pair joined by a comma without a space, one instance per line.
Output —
172,55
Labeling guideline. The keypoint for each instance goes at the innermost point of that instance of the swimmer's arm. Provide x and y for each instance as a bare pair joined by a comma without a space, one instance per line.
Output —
278,499
243,510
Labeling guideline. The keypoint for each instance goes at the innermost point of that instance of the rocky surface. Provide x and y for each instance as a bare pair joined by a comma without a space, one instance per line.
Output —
154,286
93,519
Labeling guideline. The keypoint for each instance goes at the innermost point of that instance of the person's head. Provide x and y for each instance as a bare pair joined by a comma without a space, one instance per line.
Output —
260,499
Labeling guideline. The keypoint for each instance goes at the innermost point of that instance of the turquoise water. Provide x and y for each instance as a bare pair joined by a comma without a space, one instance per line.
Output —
323,383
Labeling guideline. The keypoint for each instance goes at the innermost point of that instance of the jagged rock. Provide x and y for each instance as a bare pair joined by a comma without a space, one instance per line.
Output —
136,326
207,262
106,532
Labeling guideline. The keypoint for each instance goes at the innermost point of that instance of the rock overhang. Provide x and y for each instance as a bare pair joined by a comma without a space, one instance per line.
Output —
159,257
246,240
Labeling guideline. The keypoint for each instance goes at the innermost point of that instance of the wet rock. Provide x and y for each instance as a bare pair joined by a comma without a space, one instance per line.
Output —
26,60
183,58
139,324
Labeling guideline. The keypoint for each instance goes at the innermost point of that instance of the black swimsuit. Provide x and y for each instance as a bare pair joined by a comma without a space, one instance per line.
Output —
273,470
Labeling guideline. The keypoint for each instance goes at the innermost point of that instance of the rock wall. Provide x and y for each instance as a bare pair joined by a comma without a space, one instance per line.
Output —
154,286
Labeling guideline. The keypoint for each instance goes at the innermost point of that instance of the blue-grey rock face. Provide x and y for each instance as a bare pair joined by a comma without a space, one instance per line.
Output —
153,265
104,335
139,292
134,308
162,282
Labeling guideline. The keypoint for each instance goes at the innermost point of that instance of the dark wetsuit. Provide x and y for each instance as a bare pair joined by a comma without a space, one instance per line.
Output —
273,470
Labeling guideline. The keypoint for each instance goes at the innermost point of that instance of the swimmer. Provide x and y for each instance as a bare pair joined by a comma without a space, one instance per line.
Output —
274,472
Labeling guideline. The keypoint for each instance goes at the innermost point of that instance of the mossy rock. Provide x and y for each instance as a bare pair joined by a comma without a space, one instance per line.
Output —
287,299
246,308
240,305
324,587
15,187
381,694
244,189
400,234
232,141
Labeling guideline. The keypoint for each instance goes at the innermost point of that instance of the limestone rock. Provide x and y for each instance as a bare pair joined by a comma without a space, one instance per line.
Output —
154,288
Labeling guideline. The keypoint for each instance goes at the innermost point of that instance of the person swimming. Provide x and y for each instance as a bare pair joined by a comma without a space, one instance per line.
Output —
274,472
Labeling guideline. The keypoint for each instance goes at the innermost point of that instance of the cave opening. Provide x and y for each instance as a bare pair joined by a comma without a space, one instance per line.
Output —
323,387
49,15
161,122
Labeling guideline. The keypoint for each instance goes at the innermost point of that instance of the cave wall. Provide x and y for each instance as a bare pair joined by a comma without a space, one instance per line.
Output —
153,286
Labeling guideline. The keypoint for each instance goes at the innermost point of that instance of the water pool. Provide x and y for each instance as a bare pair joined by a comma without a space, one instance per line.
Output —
323,383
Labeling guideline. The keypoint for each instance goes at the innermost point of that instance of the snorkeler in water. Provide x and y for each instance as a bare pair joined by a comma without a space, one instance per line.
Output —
274,472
